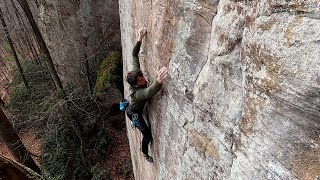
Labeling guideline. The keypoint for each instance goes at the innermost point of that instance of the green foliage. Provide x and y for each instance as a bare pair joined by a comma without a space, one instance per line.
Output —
75,139
28,106
99,174
71,127
94,60
110,73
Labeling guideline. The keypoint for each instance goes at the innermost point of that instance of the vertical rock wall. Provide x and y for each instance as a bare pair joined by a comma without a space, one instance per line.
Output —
77,29
242,100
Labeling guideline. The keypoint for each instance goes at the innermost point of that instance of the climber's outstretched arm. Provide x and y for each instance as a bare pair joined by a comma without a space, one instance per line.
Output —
154,88
136,50
148,92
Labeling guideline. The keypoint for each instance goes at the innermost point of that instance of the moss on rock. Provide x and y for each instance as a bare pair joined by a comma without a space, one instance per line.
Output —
109,73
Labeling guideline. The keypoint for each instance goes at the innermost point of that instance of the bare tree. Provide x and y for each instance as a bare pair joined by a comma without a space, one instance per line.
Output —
15,34
11,169
13,142
27,40
87,67
1,103
13,49
42,44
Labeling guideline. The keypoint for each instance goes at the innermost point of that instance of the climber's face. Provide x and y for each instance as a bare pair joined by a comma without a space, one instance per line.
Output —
142,81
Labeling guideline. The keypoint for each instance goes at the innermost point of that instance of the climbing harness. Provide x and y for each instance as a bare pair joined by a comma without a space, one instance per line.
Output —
134,121
135,117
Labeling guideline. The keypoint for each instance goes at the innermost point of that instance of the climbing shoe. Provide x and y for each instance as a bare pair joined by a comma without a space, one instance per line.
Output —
148,158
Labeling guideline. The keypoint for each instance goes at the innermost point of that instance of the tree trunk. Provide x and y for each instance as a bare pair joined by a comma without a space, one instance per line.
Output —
13,49
27,40
12,170
1,103
88,75
13,142
42,44
19,47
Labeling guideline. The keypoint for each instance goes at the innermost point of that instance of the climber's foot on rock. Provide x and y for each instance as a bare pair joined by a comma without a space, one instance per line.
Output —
148,158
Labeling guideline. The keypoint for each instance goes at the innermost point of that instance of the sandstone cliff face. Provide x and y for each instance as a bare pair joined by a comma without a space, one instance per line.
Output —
242,100
74,30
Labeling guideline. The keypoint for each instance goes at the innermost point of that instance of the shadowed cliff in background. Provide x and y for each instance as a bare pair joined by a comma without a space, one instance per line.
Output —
78,30
242,100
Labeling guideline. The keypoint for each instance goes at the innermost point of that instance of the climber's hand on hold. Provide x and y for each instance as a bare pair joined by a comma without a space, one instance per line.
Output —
162,75
142,33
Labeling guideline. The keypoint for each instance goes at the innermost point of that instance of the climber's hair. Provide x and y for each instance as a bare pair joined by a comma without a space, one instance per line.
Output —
132,77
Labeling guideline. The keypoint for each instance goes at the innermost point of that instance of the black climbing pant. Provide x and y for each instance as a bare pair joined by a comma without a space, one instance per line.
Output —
145,130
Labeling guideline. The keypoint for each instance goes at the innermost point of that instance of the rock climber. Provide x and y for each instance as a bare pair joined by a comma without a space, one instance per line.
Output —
140,93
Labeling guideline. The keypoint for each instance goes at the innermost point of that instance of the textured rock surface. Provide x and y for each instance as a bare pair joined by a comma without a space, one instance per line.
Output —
76,29
243,97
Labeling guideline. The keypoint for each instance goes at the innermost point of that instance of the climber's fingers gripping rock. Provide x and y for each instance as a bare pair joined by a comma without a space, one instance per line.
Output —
162,75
